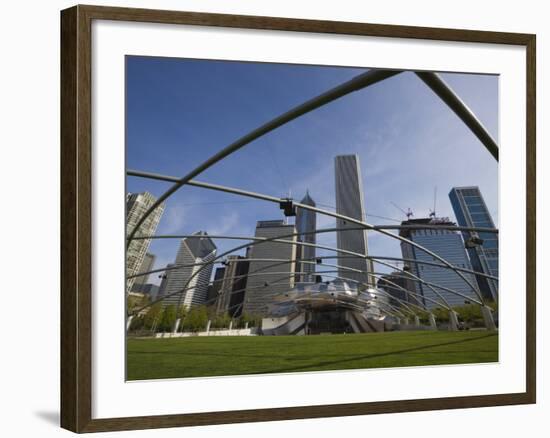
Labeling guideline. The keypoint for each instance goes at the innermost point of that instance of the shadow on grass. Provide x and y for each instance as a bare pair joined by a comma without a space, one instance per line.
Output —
373,356
347,358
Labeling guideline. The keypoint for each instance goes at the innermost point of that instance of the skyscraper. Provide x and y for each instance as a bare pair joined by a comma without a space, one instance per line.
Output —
447,244
266,282
306,222
151,290
232,291
389,284
349,202
471,211
164,277
146,266
198,251
215,287
136,206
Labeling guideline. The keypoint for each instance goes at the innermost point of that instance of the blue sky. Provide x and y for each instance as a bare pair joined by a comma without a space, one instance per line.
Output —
180,112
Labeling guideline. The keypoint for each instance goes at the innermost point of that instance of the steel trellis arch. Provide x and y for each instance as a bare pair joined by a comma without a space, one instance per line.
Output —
276,239
369,257
349,219
259,240
357,83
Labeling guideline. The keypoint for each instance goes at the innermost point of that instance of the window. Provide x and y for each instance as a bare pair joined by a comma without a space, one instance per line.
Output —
490,244
479,217
469,192
478,208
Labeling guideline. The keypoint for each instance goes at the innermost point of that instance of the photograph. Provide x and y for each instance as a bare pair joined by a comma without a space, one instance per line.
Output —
344,218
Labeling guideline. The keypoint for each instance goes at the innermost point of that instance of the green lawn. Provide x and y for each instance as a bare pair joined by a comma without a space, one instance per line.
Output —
222,356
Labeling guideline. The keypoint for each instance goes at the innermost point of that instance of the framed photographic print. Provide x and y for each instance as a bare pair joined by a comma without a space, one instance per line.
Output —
269,218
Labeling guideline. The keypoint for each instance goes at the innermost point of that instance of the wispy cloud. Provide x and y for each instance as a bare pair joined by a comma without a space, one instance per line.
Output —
228,224
173,219
407,140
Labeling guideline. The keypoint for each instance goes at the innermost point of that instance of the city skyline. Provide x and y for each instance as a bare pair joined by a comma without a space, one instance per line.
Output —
378,139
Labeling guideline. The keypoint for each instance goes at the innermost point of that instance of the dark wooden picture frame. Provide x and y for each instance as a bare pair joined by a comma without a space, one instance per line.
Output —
76,218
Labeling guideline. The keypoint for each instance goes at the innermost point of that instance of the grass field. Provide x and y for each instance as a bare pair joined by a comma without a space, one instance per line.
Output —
222,356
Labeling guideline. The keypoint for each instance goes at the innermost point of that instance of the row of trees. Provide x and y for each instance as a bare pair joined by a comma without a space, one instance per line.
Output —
162,319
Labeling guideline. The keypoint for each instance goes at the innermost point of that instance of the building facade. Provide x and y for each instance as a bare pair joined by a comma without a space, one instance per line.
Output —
185,285
306,222
151,290
471,211
136,206
265,281
215,287
164,277
388,283
447,244
146,266
350,203
233,287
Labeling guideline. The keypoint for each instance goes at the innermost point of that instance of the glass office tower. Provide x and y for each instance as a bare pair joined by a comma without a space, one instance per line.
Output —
447,244
471,211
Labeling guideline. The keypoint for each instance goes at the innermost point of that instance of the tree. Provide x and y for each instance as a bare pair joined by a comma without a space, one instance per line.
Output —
153,316
182,312
423,316
441,314
137,323
168,318
221,321
196,319
252,320
134,302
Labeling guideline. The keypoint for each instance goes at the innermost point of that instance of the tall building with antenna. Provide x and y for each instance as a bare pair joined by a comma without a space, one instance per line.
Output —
350,237
306,222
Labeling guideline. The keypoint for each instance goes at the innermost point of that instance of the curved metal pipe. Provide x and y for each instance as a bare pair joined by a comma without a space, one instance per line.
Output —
325,273
365,225
447,95
357,83
373,274
394,236
258,240
382,310
319,231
